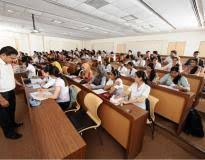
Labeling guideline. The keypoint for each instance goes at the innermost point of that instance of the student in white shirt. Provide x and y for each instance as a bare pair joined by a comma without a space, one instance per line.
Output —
29,67
7,93
108,67
140,62
48,80
116,88
61,92
157,65
109,82
139,91
122,69
175,62
131,70
169,58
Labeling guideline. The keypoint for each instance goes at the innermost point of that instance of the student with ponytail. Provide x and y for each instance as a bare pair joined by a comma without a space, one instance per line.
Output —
139,90
61,90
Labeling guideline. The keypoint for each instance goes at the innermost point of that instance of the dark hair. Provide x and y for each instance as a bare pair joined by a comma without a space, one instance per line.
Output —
152,73
174,51
130,63
54,71
193,70
116,73
177,78
196,52
141,74
155,52
27,60
8,50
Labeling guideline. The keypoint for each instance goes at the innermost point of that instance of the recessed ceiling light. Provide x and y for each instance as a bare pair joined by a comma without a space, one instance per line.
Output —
57,21
10,11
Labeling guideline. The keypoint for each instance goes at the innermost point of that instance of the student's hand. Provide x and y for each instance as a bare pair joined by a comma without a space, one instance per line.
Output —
3,102
125,102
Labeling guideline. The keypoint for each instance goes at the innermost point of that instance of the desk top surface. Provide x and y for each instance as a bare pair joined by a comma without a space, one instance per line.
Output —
57,138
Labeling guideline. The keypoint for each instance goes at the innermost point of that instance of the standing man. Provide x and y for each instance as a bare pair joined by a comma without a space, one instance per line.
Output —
7,94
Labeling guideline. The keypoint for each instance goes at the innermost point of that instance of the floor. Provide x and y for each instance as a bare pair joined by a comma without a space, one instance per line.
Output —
164,145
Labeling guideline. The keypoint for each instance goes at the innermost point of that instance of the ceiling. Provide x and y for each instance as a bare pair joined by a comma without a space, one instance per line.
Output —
96,19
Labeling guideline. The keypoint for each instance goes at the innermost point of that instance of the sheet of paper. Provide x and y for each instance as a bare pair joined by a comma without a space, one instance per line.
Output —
40,95
99,91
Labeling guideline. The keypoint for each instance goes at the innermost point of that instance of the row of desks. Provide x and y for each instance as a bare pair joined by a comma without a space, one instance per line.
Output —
125,124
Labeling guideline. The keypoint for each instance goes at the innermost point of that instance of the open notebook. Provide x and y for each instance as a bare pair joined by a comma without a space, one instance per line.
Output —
40,95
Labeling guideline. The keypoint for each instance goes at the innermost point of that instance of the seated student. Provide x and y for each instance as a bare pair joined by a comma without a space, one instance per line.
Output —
48,79
157,65
117,87
175,62
131,70
110,81
61,92
175,80
78,70
56,64
196,56
168,59
99,80
87,73
140,62
139,91
122,69
193,68
156,54
151,73
29,66
108,66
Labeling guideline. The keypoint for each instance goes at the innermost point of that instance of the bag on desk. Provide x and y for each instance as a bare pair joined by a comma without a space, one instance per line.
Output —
193,124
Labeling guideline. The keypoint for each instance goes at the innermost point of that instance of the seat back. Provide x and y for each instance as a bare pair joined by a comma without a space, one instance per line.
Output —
153,102
92,103
76,87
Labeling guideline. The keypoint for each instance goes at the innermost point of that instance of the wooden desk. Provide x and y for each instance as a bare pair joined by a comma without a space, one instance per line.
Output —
174,107
54,134
126,128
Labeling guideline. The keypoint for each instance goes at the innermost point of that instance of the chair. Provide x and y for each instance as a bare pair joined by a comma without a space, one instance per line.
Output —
151,102
87,118
75,106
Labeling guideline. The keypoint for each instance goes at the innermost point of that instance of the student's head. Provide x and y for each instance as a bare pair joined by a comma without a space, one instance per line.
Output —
150,67
78,66
175,60
115,74
8,54
174,72
121,63
26,60
173,53
47,70
155,53
155,60
140,77
194,62
130,65
147,53
196,54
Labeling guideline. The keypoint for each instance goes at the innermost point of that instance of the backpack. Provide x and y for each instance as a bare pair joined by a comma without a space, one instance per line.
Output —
193,124
73,95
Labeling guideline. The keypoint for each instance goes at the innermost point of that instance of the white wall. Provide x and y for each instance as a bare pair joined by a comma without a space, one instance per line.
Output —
30,42
152,42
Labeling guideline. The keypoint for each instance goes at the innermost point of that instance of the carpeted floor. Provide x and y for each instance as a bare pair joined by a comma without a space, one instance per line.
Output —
163,146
